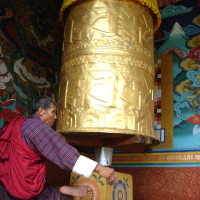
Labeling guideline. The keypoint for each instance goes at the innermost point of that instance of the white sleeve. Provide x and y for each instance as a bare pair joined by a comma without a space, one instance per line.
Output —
84,166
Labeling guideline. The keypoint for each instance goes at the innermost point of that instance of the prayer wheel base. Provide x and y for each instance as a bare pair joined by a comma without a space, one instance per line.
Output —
123,142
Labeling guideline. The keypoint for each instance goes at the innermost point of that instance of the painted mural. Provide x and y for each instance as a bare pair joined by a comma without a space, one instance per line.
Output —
30,54
166,2
179,35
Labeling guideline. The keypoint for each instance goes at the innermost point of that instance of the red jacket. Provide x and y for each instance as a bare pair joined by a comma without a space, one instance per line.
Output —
22,170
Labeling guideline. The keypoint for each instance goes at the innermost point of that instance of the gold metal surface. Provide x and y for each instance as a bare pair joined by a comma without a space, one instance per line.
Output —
151,4
107,75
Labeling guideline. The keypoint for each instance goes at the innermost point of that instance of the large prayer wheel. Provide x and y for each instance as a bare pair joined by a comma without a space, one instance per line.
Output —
107,75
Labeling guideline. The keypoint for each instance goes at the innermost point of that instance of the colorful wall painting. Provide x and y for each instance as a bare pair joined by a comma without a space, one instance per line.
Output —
157,159
30,54
166,2
163,100
157,94
179,35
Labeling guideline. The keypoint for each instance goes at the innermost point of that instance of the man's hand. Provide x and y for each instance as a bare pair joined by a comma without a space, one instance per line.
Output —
75,191
108,173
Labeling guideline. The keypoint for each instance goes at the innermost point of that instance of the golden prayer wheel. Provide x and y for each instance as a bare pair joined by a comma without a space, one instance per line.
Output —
107,75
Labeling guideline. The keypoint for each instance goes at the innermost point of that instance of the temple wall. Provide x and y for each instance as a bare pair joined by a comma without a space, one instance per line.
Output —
30,60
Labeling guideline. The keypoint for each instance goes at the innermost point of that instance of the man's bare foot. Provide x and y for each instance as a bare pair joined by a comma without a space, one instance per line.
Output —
75,191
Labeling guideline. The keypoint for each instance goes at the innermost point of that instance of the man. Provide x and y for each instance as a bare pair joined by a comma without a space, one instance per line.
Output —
25,143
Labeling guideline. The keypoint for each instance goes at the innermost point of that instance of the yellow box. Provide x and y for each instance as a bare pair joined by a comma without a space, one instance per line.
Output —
122,190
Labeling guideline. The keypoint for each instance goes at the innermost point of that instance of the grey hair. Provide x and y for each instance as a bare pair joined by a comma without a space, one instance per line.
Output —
42,102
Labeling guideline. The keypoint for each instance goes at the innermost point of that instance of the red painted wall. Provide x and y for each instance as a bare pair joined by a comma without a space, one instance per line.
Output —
164,183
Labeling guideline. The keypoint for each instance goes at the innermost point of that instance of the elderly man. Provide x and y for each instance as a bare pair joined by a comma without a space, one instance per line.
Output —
26,142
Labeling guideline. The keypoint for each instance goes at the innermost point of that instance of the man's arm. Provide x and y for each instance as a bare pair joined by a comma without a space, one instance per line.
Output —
47,142
85,166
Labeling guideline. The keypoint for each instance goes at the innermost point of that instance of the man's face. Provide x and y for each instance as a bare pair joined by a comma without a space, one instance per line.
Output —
49,115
